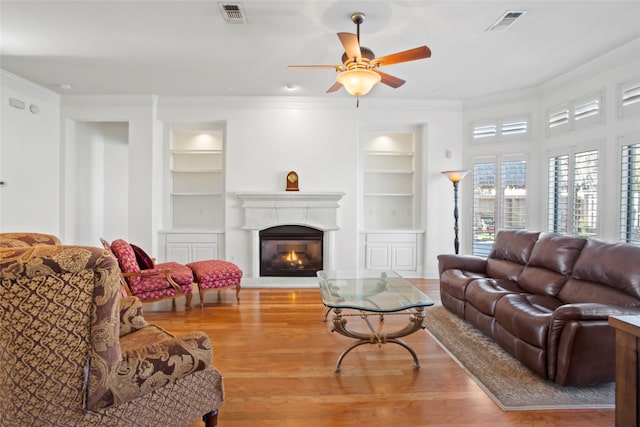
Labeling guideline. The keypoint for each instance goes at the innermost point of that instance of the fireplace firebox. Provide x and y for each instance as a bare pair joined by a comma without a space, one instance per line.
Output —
290,251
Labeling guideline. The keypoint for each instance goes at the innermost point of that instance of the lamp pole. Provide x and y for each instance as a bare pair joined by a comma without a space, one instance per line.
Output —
455,177
456,242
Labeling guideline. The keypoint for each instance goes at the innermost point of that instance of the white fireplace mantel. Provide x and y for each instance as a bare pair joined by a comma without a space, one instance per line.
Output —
269,209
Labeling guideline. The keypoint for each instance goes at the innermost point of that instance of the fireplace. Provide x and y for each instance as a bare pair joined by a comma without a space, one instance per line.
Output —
291,251
316,210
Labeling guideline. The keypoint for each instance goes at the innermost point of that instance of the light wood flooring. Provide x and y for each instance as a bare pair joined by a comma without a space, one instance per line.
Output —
277,358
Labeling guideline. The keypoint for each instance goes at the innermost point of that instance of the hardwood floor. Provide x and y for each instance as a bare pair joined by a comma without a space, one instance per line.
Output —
277,358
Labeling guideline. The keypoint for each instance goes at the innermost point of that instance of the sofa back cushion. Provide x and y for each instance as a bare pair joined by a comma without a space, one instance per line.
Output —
607,273
510,253
551,263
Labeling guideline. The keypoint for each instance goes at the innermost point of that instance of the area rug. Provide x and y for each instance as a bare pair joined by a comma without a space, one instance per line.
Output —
510,384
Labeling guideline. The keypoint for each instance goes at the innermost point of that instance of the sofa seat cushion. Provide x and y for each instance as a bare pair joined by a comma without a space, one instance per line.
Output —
527,316
181,274
157,294
215,274
483,294
150,280
455,281
153,358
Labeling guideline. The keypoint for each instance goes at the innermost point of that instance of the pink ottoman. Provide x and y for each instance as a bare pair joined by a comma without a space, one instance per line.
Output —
215,274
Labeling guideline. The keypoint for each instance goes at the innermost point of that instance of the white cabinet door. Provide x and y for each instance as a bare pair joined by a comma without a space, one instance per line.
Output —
378,256
403,257
178,252
391,250
186,247
203,252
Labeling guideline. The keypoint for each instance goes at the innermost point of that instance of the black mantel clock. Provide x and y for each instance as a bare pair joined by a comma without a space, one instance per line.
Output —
292,181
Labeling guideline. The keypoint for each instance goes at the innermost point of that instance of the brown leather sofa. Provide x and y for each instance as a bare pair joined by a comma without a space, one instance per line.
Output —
546,299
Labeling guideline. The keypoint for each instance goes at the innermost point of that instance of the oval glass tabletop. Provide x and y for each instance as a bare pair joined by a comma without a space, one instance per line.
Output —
369,290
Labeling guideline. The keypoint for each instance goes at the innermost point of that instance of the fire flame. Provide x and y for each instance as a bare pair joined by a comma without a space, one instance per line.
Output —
292,258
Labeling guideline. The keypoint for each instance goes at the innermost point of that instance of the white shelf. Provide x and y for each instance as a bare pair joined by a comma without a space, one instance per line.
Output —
197,181
196,171
389,153
388,194
184,151
196,194
389,180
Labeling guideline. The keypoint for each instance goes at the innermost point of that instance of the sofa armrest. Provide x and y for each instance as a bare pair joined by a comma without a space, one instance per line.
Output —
582,329
590,311
131,318
151,359
471,263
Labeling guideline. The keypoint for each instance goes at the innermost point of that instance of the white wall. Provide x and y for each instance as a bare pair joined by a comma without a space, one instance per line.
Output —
29,157
321,141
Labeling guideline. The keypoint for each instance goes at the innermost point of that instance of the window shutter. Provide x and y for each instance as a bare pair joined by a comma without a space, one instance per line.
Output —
558,194
484,131
630,194
585,214
484,202
513,195
629,98
514,128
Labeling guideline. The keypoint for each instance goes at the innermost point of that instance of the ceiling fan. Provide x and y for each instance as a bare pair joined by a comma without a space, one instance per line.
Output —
359,70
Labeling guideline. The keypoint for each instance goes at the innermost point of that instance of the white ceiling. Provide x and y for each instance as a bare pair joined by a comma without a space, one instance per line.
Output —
185,47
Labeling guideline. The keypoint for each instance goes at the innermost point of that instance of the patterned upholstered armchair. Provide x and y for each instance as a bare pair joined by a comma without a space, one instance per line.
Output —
74,352
149,281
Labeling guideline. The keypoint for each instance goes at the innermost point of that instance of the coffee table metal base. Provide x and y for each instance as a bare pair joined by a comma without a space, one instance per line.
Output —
377,336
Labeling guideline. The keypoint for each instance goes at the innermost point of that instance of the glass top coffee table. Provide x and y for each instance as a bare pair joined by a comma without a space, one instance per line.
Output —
372,293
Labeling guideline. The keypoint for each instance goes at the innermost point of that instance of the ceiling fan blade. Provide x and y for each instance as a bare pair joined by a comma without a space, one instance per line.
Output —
351,45
406,56
390,80
336,86
303,67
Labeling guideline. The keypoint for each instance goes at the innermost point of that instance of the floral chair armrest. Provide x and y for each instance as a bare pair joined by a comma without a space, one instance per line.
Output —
131,318
156,272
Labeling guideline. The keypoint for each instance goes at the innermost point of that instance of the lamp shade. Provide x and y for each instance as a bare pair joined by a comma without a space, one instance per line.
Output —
455,176
358,82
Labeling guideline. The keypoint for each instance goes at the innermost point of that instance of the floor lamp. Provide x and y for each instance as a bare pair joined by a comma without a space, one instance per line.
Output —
455,177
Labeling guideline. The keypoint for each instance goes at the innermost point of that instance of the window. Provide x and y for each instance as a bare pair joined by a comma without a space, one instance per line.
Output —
573,194
629,98
503,130
499,199
630,194
584,111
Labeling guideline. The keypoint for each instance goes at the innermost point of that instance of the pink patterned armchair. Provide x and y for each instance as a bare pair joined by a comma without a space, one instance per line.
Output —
73,352
154,282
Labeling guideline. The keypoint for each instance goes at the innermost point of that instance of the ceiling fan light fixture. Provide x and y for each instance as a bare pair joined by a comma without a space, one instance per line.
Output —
358,82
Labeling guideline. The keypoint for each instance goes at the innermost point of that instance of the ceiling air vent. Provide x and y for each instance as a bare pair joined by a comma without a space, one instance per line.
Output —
506,20
232,13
